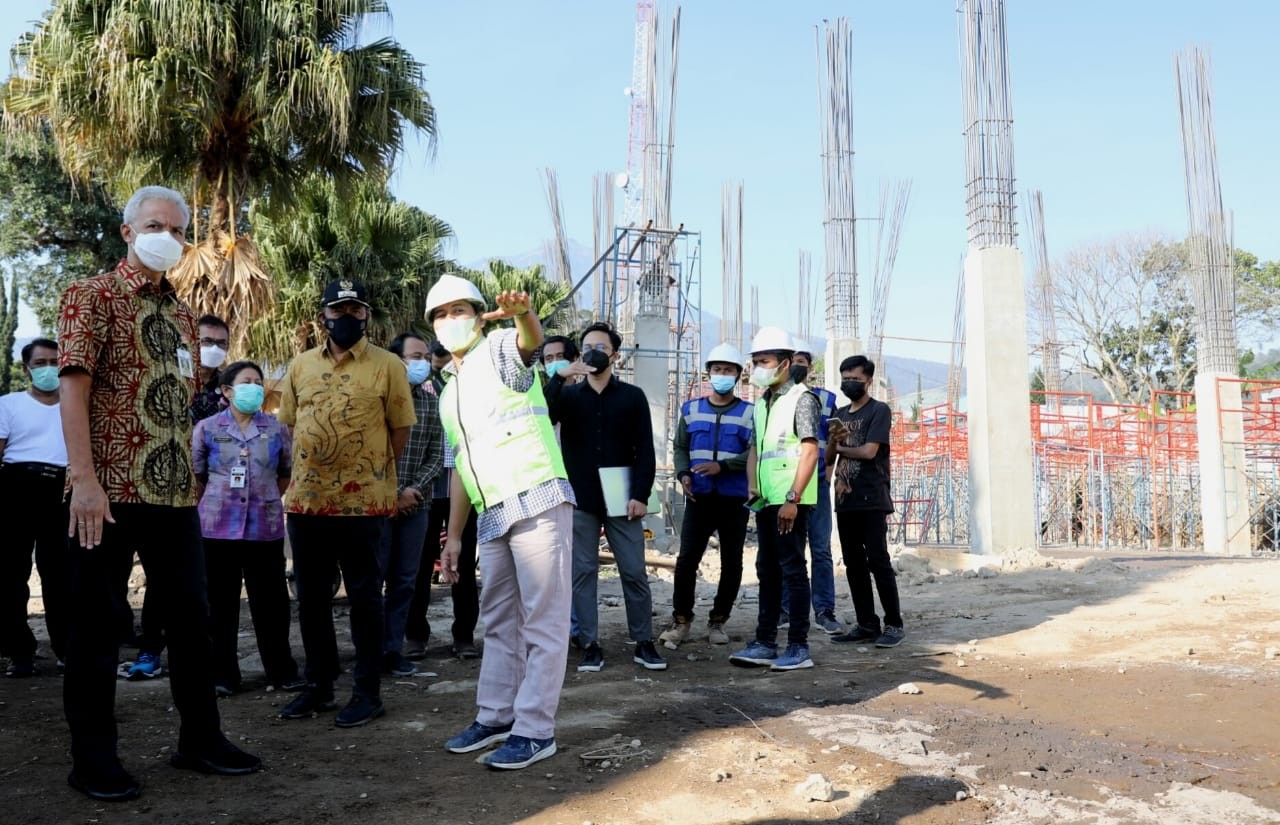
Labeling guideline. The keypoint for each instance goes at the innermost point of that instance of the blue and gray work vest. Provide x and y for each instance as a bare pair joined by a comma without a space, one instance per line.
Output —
828,401
714,436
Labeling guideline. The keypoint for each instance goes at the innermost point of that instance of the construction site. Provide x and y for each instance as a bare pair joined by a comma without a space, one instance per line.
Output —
1103,474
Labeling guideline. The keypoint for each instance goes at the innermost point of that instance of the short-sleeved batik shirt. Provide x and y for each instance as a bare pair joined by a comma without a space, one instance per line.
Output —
135,339
342,413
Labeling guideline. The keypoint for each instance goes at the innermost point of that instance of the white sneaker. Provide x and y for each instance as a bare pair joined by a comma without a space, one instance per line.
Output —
716,634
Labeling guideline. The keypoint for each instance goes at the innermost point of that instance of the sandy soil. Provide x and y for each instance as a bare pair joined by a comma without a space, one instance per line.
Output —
1101,690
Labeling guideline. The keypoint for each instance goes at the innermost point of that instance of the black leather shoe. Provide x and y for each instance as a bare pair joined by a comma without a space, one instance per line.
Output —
309,703
112,786
223,759
361,710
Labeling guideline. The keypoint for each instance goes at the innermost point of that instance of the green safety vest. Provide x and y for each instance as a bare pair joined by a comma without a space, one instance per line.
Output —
502,440
778,449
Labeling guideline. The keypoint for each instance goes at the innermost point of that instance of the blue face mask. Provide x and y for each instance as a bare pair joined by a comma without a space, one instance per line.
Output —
723,384
45,379
248,397
555,366
419,371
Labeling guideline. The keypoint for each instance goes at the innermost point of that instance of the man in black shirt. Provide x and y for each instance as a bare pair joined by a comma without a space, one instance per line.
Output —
860,438
605,424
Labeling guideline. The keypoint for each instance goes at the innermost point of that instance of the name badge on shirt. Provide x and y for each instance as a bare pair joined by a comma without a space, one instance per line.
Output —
238,475
185,365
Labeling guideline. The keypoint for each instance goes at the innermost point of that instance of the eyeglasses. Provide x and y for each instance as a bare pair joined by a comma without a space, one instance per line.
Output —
214,342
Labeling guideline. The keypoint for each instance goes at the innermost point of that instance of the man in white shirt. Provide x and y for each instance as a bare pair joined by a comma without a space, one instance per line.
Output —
33,469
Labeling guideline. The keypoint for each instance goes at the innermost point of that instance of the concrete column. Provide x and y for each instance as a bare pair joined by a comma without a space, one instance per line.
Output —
1001,479
1224,484
839,349
652,371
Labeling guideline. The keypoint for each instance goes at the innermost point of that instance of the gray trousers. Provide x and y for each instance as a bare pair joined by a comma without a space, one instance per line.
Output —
524,606
626,542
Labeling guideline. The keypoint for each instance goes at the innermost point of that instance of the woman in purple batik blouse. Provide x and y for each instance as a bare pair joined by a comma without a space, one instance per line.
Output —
241,461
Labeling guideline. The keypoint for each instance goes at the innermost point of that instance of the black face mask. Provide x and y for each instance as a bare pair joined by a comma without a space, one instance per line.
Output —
853,388
345,331
799,372
596,359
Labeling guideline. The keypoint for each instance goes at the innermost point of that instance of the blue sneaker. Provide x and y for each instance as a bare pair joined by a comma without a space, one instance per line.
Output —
756,654
796,657
476,737
147,666
520,752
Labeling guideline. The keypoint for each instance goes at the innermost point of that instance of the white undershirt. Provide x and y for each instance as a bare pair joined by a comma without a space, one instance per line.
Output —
33,430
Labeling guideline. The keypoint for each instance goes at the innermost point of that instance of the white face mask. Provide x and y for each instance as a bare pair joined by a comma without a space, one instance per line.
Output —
212,357
158,251
456,334
763,377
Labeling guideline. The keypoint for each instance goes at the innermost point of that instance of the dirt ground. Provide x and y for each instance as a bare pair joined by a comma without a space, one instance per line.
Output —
1068,689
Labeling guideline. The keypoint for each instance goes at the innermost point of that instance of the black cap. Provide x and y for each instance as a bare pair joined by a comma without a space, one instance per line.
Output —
343,290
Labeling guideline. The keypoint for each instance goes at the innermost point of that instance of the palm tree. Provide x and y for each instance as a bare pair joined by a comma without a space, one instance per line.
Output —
544,295
231,100
360,232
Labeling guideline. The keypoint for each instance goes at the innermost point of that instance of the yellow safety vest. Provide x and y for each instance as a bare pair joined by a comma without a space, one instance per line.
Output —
502,440
778,449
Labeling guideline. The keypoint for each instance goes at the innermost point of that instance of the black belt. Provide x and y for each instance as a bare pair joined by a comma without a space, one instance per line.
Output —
38,468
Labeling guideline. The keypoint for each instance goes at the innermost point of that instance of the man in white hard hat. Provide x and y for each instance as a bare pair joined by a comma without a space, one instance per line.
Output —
781,473
711,445
822,571
509,468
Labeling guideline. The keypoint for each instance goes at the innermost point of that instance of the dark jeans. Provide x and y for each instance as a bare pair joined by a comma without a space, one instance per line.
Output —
39,520
260,566
710,513
322,544
866,556
780,565
466,596
167,539
400,560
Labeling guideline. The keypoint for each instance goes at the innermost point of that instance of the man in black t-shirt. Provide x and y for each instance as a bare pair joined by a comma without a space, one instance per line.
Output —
860,439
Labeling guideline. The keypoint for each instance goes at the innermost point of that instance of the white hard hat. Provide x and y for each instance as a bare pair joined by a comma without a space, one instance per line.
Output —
802,346
725,353
769,339
450,288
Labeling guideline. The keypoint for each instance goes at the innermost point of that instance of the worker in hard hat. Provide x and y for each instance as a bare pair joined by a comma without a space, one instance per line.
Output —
821,570
711,445
783,483
508,467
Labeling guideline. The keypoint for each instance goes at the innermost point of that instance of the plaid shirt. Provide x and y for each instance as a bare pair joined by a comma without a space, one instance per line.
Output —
497,520
423,456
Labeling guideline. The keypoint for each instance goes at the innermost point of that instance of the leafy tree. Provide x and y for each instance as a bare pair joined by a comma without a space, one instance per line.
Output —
1037,386
363,233
8,331
1127,303
544,295
231,100
51,231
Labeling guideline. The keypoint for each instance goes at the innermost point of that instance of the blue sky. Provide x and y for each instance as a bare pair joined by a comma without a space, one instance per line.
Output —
519,86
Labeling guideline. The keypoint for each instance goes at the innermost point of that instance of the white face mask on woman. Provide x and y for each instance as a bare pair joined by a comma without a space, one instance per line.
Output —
158,251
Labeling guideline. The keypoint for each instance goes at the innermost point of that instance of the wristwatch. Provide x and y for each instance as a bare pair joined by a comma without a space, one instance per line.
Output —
792,496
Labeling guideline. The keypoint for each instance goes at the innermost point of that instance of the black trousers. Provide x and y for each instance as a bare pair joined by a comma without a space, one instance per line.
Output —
710,513
167,539
259,565
865,550
321,545
35,500
780,563
466,596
